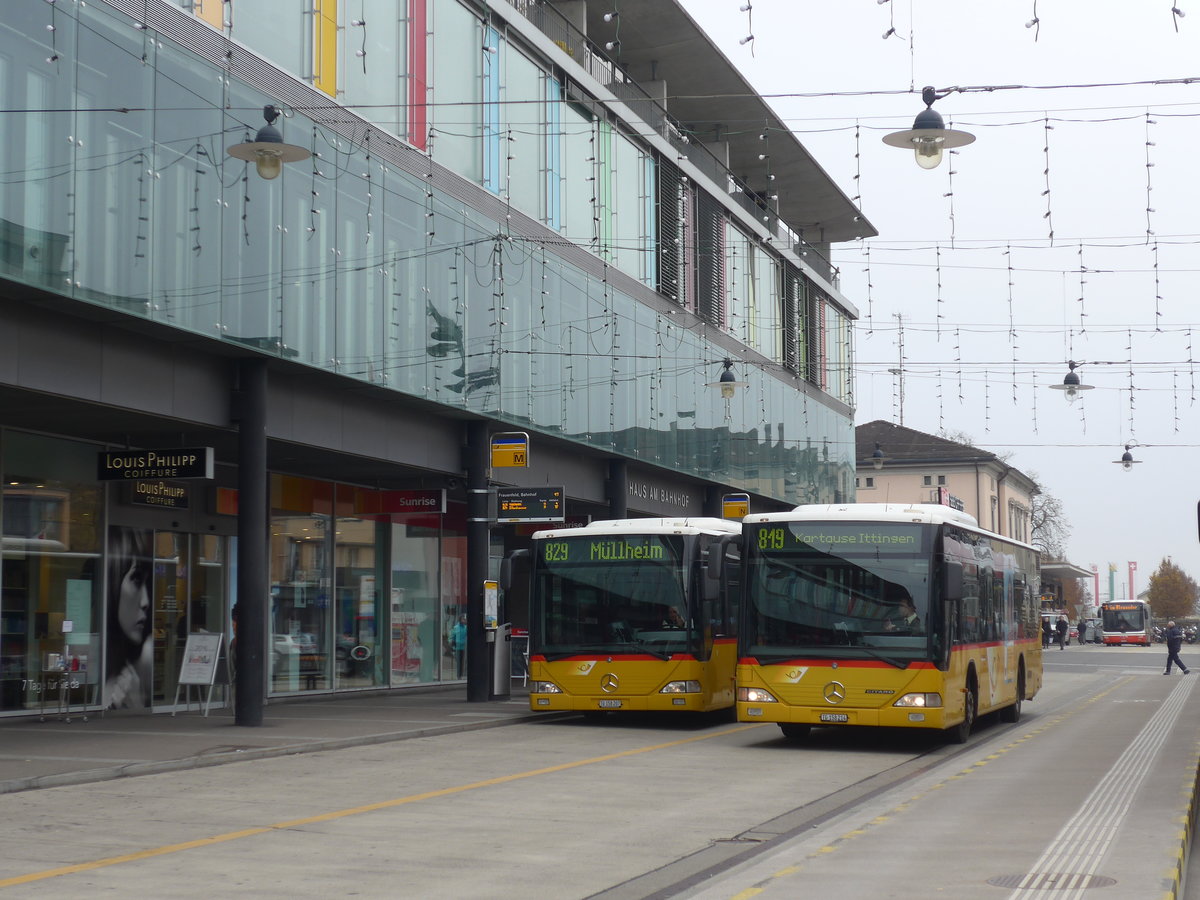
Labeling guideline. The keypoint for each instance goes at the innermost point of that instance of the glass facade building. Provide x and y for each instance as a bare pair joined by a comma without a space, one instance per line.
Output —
489,226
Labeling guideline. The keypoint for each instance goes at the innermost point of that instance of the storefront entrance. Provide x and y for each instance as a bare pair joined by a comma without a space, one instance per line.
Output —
189,596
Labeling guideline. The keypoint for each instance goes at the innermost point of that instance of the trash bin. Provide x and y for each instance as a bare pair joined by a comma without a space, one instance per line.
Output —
499,646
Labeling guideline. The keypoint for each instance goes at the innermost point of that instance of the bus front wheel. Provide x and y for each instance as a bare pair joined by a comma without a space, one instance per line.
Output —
960,732
794,731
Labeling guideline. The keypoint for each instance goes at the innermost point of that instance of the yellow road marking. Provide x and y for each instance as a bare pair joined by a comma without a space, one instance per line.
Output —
352,811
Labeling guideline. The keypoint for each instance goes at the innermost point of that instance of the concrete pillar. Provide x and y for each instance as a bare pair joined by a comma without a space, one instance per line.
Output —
618,489
478,540
250,413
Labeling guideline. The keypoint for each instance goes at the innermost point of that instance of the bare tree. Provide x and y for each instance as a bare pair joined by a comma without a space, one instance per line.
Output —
1077,598
1049,527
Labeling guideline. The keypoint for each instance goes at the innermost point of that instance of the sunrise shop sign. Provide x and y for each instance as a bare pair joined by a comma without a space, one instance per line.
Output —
128,465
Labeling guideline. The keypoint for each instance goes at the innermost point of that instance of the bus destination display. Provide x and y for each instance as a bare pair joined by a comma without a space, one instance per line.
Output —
839,536
530,504
635,548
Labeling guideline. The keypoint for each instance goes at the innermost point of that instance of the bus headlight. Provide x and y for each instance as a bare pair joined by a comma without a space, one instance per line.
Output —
544,687
681,687
925,701
755,695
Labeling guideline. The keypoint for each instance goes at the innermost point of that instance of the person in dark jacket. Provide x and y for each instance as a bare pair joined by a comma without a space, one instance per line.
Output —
1045,633
1174,642
1061,629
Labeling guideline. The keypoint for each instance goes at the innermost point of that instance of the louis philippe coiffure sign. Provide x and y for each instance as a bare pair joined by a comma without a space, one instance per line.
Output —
183,462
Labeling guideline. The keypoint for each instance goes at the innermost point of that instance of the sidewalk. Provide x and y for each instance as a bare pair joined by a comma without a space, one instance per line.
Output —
36,754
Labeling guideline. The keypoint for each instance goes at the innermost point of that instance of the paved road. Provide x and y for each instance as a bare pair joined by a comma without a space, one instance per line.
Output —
646,808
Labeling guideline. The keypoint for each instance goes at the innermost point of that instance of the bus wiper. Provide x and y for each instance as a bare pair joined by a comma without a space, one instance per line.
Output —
646,648
556,655
611,650
896,663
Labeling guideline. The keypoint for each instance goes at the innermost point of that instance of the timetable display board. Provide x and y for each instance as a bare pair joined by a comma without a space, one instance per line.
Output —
530,504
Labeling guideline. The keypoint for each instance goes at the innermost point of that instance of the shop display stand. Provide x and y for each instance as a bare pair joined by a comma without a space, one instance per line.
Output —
58,678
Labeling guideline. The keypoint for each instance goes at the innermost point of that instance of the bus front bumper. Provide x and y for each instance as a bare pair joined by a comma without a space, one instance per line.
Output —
886,717
603,703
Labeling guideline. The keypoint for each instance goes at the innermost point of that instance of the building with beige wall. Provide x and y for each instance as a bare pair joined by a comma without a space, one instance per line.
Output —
895,464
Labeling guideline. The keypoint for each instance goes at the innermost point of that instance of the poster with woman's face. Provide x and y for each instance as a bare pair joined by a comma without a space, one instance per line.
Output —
130,579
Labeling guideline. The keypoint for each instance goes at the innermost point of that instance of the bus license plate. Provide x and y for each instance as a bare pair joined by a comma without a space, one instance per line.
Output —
835,717
609,704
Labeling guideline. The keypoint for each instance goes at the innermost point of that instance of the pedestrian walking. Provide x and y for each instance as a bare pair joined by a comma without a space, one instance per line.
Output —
1174,642
1045,633
1061,629
458,644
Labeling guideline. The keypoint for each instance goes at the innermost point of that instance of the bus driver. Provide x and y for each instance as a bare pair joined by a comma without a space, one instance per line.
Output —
909,622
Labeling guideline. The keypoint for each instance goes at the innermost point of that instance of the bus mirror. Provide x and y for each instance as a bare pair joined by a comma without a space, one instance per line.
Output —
716,559
716,556
952,582
506,567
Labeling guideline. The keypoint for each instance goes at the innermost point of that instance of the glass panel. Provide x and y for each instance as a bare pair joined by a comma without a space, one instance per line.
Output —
254,230
357,651
114,185
186,207
418,634
375,54
279,31
171,593
360,287
51,509
628,206
457,89
301,576
408,325
34,198
579,175
525,187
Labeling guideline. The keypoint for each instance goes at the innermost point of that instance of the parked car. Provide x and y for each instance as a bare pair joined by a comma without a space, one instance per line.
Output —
284,650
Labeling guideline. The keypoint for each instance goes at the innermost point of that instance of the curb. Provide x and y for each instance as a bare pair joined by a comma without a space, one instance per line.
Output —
158,767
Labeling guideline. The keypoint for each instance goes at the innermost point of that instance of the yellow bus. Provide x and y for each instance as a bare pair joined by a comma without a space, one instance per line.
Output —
624,616
886,615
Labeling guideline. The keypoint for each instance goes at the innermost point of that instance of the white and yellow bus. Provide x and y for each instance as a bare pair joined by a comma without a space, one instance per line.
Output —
884,615
624,616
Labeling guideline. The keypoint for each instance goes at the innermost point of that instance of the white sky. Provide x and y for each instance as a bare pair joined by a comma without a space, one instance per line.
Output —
1018,311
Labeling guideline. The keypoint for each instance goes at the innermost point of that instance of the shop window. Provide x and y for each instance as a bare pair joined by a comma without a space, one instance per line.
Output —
51,508
302,581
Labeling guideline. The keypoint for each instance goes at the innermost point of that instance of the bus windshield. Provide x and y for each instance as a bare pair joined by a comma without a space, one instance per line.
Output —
837,590
611,594
1123,617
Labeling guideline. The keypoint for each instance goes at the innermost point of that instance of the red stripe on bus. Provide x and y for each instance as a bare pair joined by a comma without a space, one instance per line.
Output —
624,657
841,663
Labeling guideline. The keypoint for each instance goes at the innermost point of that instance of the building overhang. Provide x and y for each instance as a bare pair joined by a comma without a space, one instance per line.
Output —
1064,571
708,95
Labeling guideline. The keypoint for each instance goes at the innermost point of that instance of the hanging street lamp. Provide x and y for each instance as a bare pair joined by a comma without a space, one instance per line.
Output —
267,151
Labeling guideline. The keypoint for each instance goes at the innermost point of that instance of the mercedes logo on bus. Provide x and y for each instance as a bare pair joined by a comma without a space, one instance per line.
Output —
835,692
609,683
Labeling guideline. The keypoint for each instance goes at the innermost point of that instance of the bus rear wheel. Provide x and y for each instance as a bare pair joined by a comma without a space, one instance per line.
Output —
1012,714
794,731
960,732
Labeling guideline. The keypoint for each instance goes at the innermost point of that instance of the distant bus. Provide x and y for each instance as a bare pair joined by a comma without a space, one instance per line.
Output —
885,614
623,616
1127,622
